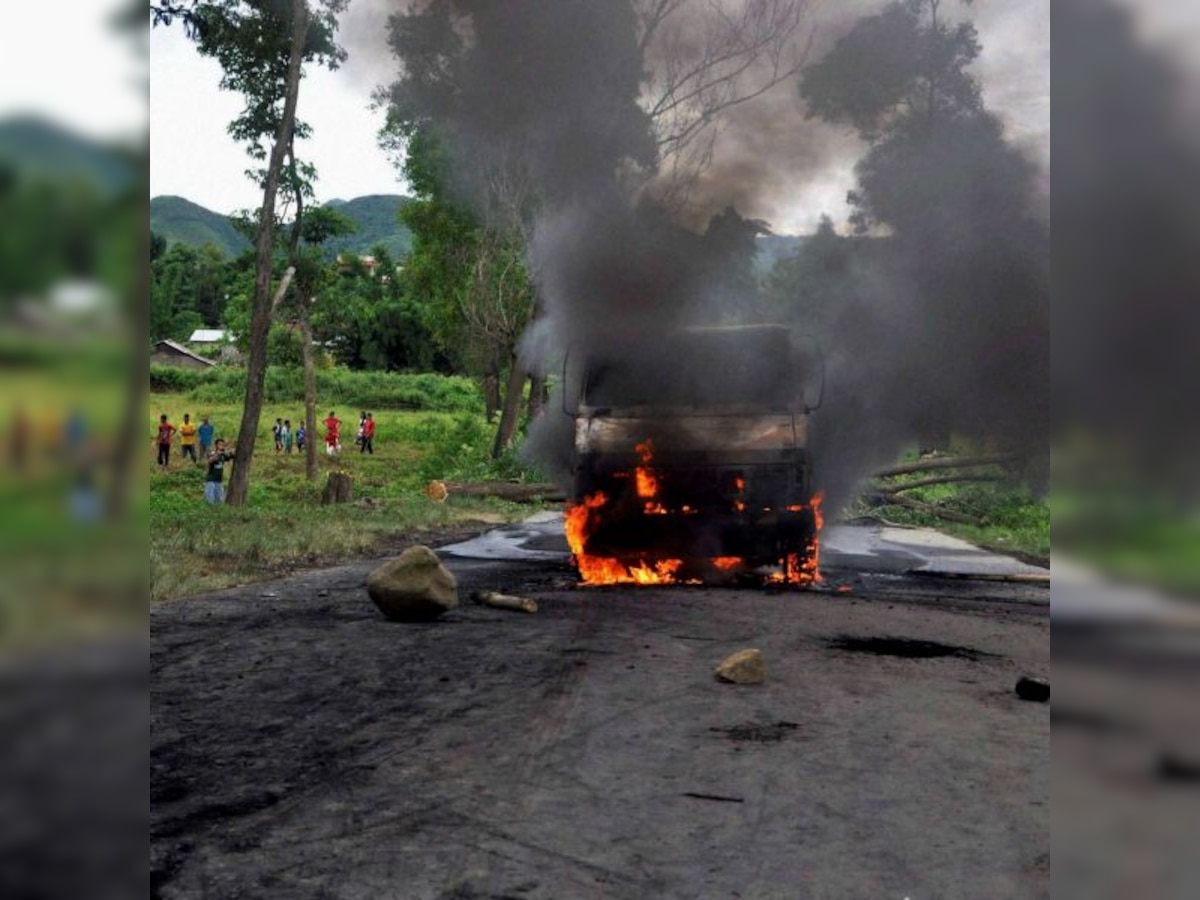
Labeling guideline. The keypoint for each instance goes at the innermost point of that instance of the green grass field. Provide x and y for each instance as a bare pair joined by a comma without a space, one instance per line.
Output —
195,547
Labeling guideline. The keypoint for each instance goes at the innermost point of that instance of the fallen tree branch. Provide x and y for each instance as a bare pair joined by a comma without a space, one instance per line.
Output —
438,491
957,462
927,508
937,479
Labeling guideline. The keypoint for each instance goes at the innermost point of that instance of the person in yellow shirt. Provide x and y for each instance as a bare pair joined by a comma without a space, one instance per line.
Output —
187,438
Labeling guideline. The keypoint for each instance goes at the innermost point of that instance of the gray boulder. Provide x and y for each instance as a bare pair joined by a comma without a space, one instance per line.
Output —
414,587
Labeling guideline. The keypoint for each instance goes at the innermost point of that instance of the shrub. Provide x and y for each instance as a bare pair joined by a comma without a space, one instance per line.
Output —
335,387
171,380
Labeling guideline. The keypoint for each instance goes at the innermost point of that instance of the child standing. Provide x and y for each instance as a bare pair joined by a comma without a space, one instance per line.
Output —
277,433
165,430
286,434
368,435
333,444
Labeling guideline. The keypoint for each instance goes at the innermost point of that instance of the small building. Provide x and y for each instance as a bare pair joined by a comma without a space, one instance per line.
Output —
169,353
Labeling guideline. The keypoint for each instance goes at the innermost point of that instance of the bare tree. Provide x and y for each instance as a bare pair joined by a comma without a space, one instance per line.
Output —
705,57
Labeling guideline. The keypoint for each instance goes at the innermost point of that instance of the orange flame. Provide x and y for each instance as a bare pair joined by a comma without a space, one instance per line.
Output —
646,481
739,485
803,569
582,519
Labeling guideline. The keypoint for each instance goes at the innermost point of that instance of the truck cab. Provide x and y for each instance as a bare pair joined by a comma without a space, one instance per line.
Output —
692,447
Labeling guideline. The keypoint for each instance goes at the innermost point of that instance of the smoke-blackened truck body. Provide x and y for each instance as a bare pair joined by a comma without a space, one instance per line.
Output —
697,439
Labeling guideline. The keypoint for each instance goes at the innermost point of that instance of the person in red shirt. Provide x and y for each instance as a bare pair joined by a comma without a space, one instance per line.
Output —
368,437
333,444
165,430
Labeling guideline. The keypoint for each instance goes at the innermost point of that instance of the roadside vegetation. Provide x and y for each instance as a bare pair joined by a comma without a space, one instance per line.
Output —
440,433
992,505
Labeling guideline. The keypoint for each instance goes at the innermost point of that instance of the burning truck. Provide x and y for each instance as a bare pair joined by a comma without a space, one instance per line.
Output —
691,459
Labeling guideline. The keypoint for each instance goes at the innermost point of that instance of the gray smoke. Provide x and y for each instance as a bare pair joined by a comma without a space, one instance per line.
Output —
948,328
1127,200
768,161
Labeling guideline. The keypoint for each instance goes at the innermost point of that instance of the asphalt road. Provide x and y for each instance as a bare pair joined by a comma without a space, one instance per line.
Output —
302,746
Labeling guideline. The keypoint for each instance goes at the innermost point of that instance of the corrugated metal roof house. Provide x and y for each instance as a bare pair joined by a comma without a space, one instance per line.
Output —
169,353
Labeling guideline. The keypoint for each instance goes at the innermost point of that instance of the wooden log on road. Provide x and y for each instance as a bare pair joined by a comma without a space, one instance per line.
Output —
505,601
438,491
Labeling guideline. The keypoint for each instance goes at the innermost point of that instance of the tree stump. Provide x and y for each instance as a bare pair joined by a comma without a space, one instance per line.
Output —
339,488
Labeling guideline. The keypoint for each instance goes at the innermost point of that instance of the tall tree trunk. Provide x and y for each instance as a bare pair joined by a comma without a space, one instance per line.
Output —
491,390
260,316
310,395
512,409
537,395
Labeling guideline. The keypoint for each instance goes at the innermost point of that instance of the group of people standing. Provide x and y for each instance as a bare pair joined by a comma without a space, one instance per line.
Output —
192,438
364,437
199,444
285,437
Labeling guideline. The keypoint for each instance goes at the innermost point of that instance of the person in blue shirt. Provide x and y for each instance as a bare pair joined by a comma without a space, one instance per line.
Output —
205,434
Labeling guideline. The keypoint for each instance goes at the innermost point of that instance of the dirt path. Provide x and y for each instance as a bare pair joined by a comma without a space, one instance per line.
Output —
304,747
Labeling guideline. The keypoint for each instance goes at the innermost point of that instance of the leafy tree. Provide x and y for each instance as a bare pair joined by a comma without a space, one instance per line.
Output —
441,267
902,69
188,290
372,320
729,250
901,79
158,245
959,289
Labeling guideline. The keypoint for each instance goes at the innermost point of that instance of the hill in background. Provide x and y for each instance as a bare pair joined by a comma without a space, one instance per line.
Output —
181,221
184,222
34,147
378,223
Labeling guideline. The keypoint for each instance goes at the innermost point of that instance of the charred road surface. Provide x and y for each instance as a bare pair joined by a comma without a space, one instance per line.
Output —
302,746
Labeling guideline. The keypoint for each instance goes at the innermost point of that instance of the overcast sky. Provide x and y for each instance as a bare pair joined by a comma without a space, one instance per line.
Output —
65,61
192,156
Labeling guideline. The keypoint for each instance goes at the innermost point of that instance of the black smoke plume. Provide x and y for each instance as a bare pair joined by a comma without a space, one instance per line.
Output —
948,331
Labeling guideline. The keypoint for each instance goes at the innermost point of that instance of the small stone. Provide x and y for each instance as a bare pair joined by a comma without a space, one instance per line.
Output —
414,587
744,667
1036,690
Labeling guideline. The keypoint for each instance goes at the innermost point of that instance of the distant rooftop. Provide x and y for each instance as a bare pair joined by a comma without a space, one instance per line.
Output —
208,336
